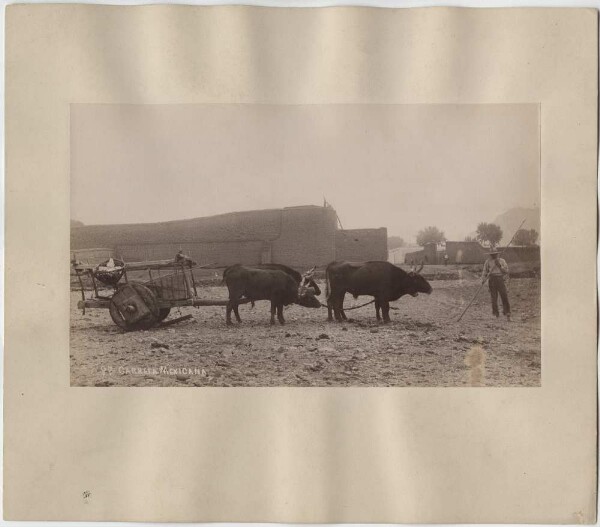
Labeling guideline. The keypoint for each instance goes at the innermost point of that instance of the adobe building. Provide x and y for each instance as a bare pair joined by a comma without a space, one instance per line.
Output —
474,252
470,253
297,236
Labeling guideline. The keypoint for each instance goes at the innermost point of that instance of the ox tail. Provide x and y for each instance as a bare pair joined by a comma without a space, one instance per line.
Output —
225,272
224,276
224,280
327,285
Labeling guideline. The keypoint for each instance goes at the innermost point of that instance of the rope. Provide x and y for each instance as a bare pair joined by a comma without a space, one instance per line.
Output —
356,307
349,308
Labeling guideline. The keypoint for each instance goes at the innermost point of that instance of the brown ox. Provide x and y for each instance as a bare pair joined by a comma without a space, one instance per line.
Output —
265,284
382,280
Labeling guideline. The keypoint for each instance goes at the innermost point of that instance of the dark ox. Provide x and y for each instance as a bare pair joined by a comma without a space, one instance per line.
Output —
265,284
382,280
303,280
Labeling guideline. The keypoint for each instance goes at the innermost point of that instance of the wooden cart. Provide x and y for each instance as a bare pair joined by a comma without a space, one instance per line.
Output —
141,304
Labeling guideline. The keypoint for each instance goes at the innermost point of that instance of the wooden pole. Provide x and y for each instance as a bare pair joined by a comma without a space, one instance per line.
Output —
518,229
472,300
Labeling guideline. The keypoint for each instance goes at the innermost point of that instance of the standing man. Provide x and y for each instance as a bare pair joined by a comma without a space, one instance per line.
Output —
496,269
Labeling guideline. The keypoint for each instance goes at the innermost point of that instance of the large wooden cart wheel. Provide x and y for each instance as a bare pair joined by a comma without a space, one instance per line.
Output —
163,311
134,307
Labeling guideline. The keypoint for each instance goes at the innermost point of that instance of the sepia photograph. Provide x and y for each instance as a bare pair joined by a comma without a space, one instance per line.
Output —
284,265
338,245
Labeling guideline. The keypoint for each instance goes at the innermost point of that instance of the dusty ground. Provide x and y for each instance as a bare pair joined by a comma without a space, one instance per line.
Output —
422,346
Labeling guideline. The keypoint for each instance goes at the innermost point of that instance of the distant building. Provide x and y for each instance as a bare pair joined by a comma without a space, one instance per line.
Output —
427,255
474,252
398,255
298,236
470,253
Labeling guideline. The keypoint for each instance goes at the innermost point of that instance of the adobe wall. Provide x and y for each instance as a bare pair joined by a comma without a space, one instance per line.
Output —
466,252
307,237
474,253
246,225
427,255
296,236
360,245
219,254
521,254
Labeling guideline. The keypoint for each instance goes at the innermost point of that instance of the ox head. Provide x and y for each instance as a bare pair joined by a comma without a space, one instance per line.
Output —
307,298
416,283
308,277
306,294
308,281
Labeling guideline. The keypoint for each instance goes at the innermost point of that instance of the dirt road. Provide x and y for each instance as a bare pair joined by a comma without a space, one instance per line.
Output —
422,346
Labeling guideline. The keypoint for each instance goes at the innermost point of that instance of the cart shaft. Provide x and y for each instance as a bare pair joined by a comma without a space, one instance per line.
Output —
100,303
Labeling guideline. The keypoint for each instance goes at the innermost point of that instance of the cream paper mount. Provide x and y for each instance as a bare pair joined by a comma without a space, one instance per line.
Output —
430,455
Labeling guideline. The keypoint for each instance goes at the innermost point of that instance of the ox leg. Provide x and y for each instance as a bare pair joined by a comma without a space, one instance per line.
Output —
342,312
329,311
232,305
332,307
234,297
338,310
273,310
385,309
280,314
377,309
228,314
237,313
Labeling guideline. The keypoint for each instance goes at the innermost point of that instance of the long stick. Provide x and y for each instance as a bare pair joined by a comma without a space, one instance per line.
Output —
472,300
518,229
483,283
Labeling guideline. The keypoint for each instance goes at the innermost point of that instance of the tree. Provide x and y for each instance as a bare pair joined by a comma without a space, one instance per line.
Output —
430,235
395,241
489,234
470,239
526,237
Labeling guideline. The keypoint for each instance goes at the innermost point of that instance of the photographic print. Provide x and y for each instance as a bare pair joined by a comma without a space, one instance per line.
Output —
284,265
305,245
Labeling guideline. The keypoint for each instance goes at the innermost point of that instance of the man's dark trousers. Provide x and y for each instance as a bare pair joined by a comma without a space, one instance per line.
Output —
497,285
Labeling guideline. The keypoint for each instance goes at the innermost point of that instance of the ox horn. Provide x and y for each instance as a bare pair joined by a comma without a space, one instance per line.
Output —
420,268
308,275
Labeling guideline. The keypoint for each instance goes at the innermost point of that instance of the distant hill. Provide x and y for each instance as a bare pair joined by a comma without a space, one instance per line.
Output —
76,223
510,220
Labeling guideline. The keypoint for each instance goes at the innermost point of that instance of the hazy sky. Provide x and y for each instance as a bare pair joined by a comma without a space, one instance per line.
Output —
403,167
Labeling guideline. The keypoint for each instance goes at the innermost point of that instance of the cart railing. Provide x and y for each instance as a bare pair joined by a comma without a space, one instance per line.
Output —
140,305
174,263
